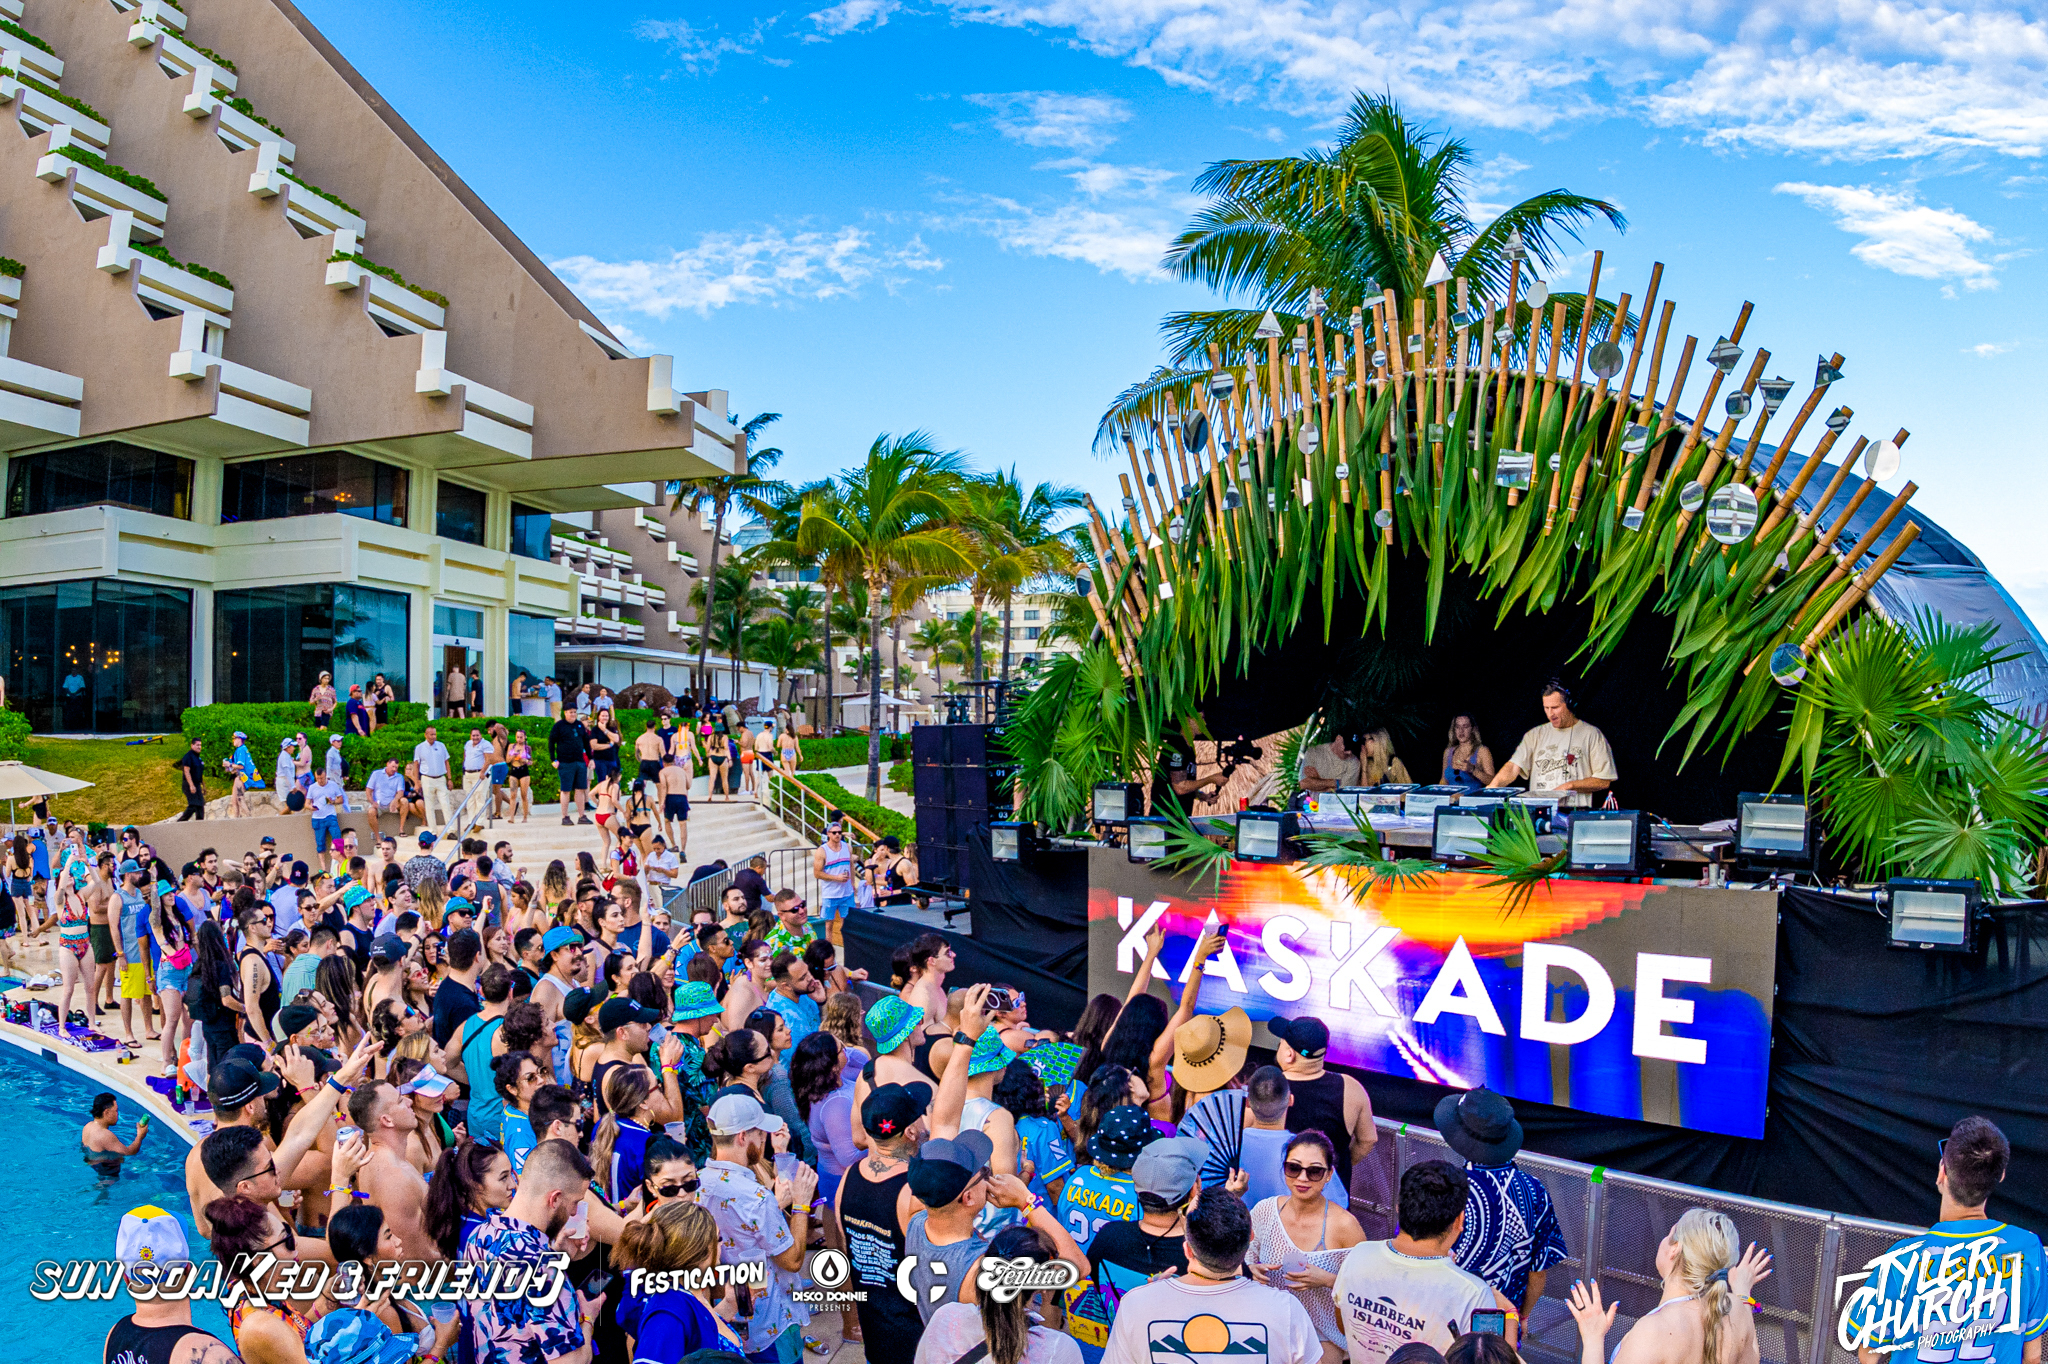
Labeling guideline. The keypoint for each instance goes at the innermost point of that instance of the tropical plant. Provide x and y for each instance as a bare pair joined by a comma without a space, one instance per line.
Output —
1914,769
1367,215
940,642
730,603
719,492
784,643
891,517
1079,727
1031,546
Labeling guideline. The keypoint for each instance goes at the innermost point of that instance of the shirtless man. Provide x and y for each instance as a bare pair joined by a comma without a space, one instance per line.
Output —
561,955
650,750
98,1136
675,805
234,1088
392,1181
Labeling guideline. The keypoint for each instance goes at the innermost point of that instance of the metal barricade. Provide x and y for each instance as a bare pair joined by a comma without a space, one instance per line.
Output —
703,893
1613,1222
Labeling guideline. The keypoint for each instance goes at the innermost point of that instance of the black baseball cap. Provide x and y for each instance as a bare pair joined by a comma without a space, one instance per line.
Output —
293,1018
234,1083
388,947
300,874
1309,1036
577,1004
945,1166
891,1109
1123,1132
617,1013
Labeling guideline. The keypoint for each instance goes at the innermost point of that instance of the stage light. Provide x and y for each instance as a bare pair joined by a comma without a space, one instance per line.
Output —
1145,838
1933,916
1116,801
1009,840
1419,803
1610,842
1263,835
1458,836
1773,828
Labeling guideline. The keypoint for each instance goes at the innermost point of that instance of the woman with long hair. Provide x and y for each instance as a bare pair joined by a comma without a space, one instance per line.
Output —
1377,761
704,967
471,1181
359,1234
1011,1330
519,778
172,929
335,980
1706,1275
429,1137
1090,1030
1112,1087
217,1004
267,1327
675,1323
1468,762
846,1019
1299,1241
749,987
667,1175
618,1148
1142,1039
554,891
430,899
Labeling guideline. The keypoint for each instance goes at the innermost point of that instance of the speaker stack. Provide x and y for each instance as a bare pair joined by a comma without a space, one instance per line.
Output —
961,781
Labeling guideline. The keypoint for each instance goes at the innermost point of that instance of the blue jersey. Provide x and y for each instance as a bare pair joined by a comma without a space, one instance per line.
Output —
519,1141
1045,1145
1965,1291
1094,1196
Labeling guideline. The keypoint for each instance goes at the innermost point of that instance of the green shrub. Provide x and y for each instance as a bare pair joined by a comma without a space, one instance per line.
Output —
242,106
846,750
54,93
18,31
335,199
12,268
14,735
158,253
901,778
440,300
86,157
222,62
879,818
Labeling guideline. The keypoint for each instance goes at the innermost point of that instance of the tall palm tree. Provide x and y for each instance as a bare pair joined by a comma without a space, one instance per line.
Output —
1032,547
785,643
892,517
1366,214
941,641
719,492
729,603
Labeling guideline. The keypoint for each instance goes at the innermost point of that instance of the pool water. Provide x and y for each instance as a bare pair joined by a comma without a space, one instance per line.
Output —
53,1206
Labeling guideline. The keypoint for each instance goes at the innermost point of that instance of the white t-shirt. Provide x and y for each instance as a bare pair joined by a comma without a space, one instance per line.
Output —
1551,757
432,758
1173,1320
1387,1299
664,867
956,1328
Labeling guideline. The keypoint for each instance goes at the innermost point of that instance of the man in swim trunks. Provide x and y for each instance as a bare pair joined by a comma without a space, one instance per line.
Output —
675,804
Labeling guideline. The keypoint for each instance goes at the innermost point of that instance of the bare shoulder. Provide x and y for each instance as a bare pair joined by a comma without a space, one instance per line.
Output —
1345,1230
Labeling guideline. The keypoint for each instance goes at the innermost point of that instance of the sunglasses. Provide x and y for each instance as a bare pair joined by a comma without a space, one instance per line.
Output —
681,1186
270,1170
1294,1169
289,1241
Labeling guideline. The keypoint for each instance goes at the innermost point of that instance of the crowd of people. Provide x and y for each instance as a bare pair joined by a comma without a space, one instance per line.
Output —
424,1057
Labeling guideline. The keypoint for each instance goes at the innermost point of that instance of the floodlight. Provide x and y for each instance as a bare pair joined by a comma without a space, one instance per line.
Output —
1145,838
1773,828
1933,916
1117,801
1610,842
1009,840
1265,835
1458,836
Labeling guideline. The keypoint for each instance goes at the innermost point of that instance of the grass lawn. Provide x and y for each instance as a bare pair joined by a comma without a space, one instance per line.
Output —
133,785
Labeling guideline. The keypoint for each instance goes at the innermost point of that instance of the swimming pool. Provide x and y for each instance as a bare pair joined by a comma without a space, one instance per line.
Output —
53,1206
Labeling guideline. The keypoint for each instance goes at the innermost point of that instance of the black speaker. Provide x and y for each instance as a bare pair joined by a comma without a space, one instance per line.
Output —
930,745
968,745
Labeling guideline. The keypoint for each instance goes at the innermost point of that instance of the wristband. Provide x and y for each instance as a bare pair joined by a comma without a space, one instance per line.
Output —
334,1189
963,1039
338,1087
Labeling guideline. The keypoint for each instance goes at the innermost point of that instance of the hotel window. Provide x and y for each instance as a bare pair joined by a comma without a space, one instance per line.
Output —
531,530
272,643
459,514
323,483
107,473
97,655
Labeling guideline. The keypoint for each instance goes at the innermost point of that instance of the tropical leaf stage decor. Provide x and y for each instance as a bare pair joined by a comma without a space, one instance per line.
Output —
1484,437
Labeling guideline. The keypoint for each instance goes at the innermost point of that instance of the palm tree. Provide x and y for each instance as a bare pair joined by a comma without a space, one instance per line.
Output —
1031,547
891,517
942,641
1367,214
729,603
719,492
785,643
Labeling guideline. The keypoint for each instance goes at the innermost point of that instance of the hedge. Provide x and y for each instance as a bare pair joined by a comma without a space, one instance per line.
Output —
14,735
880,818
85,156
357,257
158,253
847,750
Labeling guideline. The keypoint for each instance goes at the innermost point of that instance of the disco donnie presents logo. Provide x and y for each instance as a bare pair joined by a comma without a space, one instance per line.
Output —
1001,1280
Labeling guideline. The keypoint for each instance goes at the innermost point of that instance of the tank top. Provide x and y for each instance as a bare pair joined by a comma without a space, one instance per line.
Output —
838,861
598,1073
875,1244
960,1259
266,1003
128,1343
1319,1105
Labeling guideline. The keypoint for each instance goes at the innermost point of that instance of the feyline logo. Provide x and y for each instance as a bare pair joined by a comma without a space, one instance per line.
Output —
998,1279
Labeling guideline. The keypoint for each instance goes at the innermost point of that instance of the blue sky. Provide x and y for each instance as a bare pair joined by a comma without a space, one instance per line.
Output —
882,215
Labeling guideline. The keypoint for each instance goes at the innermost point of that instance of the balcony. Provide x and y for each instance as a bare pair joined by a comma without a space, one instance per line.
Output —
36,404
238,131
176,56
252,410
678,555
22,69
489,418
96,194
169,287
312,212
164,16
686,628
655,529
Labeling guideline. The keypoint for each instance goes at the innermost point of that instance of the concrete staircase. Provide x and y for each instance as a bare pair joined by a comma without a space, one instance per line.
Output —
730,831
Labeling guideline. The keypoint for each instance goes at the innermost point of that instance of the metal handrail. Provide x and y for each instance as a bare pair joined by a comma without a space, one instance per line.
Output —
805,827
485,793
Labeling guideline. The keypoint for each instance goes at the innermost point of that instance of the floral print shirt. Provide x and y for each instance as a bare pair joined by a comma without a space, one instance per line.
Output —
752,1229
519,1332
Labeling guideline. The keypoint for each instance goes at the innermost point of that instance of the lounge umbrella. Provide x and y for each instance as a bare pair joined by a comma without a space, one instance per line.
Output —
19,781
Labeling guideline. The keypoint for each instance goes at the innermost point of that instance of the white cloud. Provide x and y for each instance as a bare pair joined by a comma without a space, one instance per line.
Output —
1097,179
1984,350
768,266
1113,240
700,49
1902,235
1491,178
849,15
1856,79
1052,118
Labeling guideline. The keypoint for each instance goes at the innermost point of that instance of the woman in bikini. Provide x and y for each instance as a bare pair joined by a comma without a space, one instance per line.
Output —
74,935
519,777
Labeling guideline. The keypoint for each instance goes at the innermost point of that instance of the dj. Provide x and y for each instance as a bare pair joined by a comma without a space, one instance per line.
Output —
1329,766
1562,754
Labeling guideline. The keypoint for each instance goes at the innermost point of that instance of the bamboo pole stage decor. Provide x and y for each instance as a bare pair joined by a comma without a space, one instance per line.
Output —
1640,479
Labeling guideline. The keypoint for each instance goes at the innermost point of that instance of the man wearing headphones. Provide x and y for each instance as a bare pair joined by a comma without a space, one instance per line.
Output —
1562,754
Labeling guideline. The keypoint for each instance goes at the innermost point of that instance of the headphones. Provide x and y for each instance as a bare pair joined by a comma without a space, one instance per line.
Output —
1557,684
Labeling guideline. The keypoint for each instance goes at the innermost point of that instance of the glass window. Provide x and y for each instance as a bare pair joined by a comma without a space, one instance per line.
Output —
532,651
272,643
98,655
1030,614
322,483
531,530
459,514
1031,632
458,623
108,473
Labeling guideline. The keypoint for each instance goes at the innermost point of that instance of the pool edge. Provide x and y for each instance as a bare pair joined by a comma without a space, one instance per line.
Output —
114,1076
